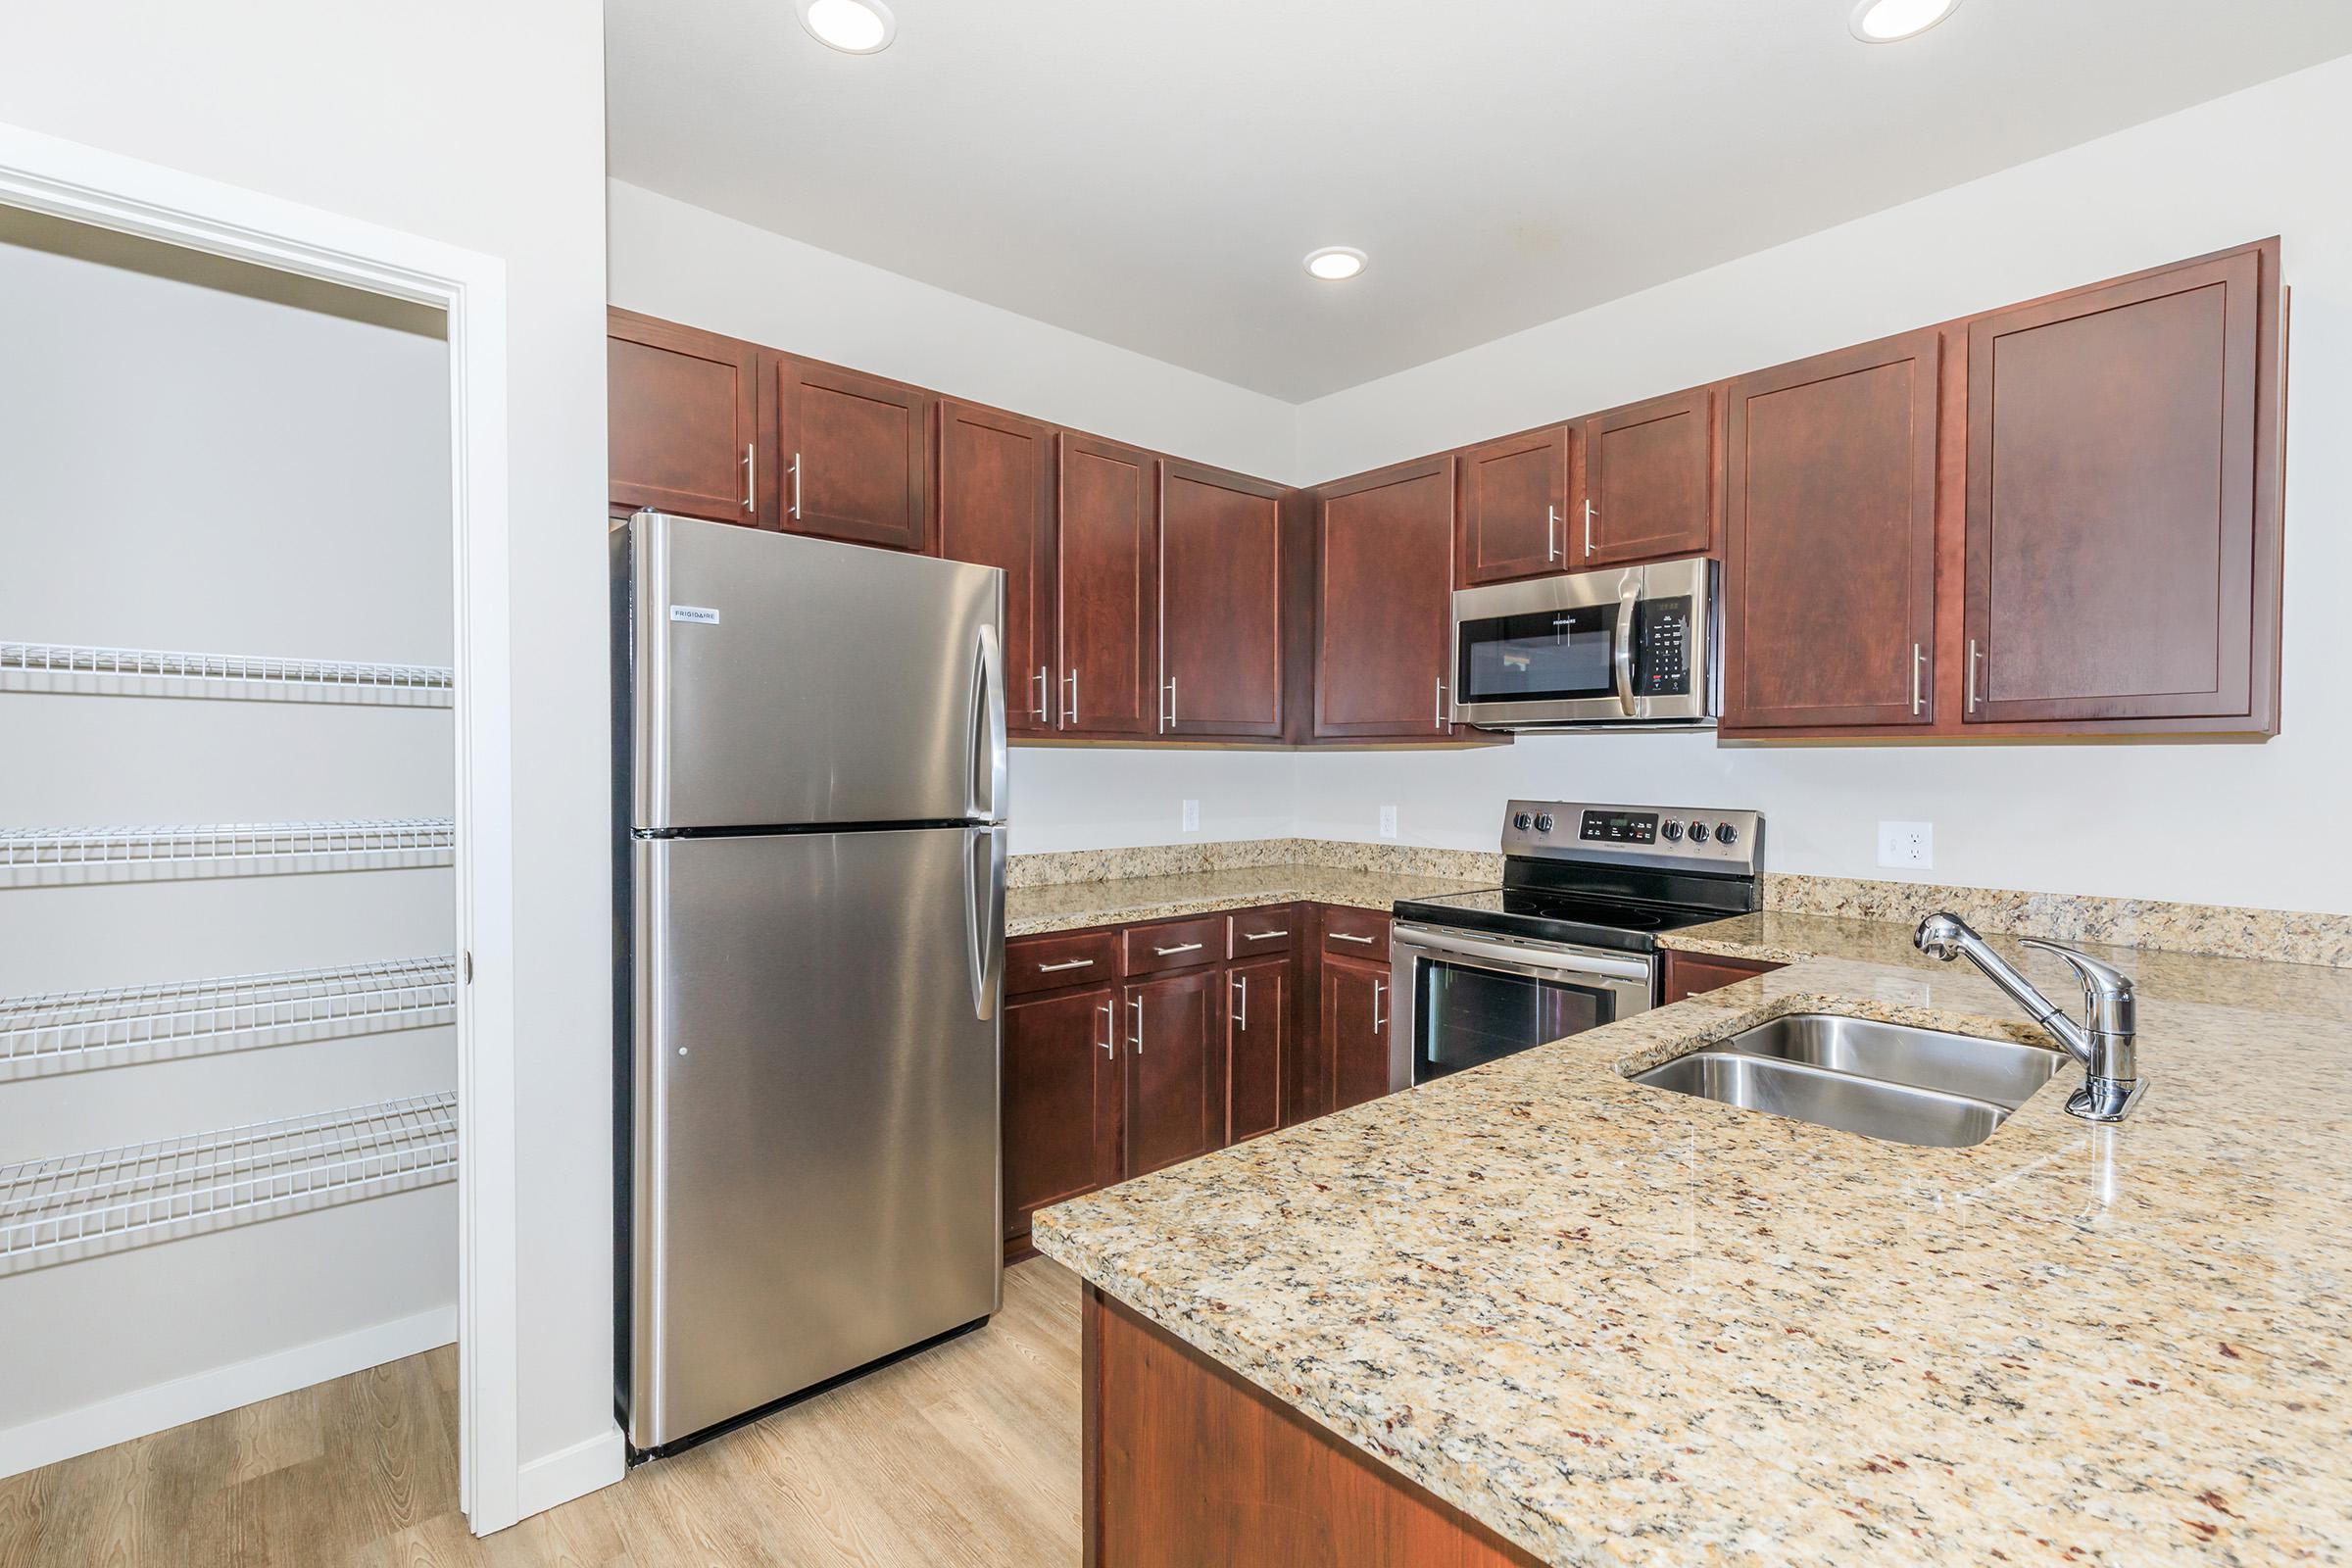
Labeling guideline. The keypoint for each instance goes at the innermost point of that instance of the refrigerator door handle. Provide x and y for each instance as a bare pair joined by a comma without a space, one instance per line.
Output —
984,915
989,739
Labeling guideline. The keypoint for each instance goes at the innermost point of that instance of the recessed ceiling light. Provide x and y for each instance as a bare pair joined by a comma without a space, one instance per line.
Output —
853,26
1335,262
1887,21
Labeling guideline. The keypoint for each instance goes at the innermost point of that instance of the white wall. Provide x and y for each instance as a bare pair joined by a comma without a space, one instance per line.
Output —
2224,823
479,124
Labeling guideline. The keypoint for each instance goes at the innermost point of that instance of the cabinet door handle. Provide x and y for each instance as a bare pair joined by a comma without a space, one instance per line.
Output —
1042,685
1350,936
1137,1003
1241,1007
751,474
1069,714
1552,534
1262,936
1074,964
1169,952
1441,719
1167,717
795,487
1588,525
1379,992
1109,1042
1918,658
1974,654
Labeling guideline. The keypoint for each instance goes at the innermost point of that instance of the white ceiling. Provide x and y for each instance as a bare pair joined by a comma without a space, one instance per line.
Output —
1151,172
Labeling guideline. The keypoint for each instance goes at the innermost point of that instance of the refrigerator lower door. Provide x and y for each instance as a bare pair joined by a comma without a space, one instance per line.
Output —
815,1099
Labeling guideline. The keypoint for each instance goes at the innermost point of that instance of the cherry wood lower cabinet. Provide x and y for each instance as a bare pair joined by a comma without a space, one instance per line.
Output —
1688,974
1175,1070
1354,1030
1259,1039
1061,1100
1188,1464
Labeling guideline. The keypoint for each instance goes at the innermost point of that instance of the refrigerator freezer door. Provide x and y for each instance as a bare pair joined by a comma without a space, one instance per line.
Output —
781,681
815,1112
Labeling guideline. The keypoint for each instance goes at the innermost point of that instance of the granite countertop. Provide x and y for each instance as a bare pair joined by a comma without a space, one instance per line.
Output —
1068,906
1621,1325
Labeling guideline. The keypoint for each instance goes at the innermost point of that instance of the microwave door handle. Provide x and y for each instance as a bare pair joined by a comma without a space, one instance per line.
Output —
1621,658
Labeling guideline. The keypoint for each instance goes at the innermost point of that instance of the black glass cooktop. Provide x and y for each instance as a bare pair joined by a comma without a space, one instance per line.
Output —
1549,915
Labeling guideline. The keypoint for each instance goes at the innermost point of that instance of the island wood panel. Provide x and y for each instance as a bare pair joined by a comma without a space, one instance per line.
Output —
1188,1464
1829,584
852,459
996,509
1109,578
1220,602
1652,481
1385,611
2116,532
681,420
1690,974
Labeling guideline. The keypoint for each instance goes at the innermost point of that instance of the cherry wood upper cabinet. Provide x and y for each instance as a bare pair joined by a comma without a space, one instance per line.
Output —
1062,1100
996,509
681,411
851,456
2122,533
1830,581
1383,625
1175,1069
1651,485
1220,602
1514,507
1108,539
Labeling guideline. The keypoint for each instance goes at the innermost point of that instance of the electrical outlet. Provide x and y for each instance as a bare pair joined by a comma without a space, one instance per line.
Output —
1907,845
1387,822
1192,817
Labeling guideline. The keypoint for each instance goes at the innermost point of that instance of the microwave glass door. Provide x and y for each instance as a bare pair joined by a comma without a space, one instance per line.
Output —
1544,656
1465,1015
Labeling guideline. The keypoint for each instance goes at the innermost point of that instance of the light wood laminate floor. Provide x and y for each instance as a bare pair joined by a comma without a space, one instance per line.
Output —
965,1454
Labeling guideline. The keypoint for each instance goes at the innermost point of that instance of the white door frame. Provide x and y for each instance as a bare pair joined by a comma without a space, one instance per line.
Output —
70,180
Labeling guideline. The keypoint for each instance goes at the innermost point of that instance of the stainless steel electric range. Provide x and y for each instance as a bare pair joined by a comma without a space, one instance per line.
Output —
1569,942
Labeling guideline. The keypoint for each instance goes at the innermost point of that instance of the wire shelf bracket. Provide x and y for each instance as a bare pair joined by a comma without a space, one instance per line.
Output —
110,1199
65,855
149,673
76,1031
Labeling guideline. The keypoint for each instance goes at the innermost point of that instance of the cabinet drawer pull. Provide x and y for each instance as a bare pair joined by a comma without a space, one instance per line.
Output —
1262,936
1169,952
1074,964
1350,936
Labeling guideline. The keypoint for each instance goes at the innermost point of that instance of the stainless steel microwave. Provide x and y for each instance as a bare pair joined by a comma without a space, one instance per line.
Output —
1635,644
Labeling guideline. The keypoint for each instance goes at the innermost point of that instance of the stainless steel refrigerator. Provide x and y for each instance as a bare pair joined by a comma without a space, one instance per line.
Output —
810,889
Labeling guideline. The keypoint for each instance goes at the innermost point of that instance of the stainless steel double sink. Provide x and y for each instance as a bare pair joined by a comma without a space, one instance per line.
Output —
1883,1080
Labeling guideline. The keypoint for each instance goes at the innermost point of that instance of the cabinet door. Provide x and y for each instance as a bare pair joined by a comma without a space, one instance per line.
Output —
1514,507
1062,1100
1649,482
1109,589
1356,1030
2113,505
851,456
1829,578
1384,625
682,435
1220,602
1258,1045
1175,1070
996,509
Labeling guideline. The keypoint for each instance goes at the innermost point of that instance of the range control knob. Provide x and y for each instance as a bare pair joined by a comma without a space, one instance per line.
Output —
1725,833
1522,821
1698,832
1543,821
1673,832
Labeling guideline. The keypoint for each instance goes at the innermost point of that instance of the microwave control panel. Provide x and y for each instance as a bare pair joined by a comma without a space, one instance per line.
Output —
1662,629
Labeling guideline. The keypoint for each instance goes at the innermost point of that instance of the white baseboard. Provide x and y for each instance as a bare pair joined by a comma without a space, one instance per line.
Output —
191,1398
569,1473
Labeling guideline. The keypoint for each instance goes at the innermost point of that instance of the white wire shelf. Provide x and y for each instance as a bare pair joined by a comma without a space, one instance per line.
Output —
110,1199
57,856
149,673
73,1031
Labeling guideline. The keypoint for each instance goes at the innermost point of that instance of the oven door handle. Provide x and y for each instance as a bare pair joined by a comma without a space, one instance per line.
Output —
1536,960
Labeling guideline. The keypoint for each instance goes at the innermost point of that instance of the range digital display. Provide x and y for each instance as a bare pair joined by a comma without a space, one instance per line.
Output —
1619,827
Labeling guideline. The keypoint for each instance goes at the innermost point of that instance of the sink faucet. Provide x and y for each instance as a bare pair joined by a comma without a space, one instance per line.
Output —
2101,1042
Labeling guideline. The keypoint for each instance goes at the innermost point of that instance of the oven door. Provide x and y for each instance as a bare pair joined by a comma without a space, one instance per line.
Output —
1629,646
1464,998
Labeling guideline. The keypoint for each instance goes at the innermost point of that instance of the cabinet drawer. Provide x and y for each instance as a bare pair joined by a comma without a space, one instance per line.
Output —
1064,959
1256,933
1356,934
1175,944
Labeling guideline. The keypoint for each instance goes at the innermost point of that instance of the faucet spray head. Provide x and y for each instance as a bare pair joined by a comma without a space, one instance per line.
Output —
1940,935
